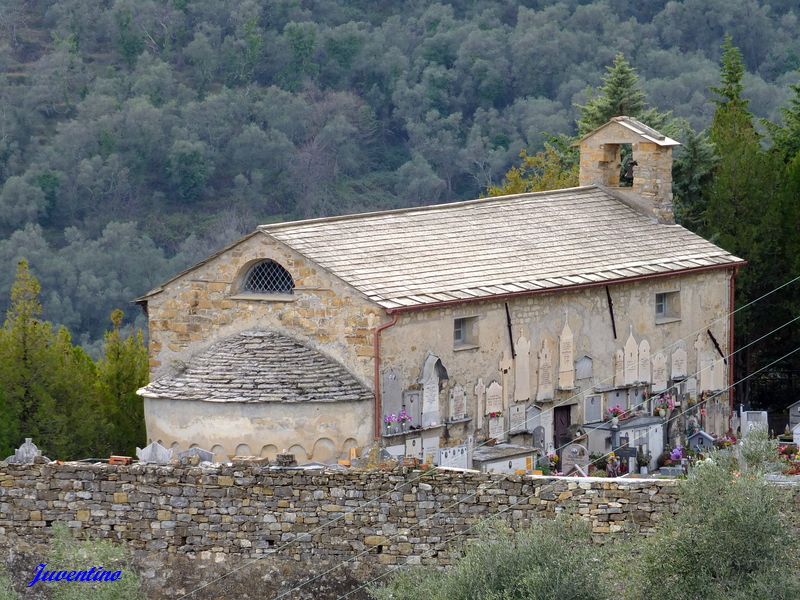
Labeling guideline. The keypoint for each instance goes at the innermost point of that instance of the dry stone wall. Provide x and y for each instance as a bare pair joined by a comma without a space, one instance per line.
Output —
214,517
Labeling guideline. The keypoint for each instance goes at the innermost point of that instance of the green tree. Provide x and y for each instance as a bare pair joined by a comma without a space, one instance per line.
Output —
123,370
546,170
731,539
747,211
620,94
692,173
786,137
28,368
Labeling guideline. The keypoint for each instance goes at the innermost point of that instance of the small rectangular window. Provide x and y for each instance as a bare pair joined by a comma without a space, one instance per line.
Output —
668,307
465,332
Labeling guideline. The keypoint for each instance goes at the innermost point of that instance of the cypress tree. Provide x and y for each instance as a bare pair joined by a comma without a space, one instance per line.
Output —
123,370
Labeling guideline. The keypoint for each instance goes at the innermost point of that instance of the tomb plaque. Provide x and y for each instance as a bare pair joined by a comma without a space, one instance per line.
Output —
631,360
659,372
619,368
533,417
593,409
458,403
583,368
414,448
517,418
391,392
538,437
26,454
645,374
522,370
480,398
575,460
566,359
430,448
497,428
494,398
412,400
154,453
456,457
545,391
691,388
679,364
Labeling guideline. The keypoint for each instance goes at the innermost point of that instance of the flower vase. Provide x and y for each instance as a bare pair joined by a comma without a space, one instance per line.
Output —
662,412
614,421
404,426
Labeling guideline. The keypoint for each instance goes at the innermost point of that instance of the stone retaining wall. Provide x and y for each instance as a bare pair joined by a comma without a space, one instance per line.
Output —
221,514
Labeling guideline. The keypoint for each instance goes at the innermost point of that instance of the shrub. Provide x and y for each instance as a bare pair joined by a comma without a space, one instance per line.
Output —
730,539
67,553
552,559
6,589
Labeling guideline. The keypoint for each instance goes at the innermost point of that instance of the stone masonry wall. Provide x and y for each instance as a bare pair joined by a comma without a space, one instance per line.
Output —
218,515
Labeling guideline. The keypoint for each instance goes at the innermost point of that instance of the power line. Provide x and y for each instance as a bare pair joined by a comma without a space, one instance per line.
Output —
431,471
472,495
526,498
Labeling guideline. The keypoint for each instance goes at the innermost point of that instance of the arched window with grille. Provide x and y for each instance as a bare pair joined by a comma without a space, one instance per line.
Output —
268,277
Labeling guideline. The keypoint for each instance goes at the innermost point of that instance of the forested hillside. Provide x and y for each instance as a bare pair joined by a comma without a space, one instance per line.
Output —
138,135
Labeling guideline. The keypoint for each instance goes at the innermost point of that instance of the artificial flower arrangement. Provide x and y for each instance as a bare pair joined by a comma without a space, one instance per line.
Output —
616,411
726,441
665,402
790,456
391,422
404,417
494,415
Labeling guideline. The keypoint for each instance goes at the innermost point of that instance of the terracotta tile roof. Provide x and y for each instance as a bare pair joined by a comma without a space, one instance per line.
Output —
495,246
259,366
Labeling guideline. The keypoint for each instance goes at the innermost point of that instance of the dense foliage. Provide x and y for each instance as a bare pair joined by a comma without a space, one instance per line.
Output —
733,538
502,565
65,553
137,136
53,392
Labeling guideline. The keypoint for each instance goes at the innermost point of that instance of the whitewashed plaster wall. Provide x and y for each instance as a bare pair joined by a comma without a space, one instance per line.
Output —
323,432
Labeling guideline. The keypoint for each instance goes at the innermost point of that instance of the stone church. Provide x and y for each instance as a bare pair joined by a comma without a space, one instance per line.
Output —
520,318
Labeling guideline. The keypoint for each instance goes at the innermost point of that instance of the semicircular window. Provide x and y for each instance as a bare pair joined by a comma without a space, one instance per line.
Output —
268,277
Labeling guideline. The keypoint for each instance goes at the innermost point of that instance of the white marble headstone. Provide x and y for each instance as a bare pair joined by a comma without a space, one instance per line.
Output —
660,372
154,453
566,359
494,398
430,392
546,384
645,373
517,418
619,368
458,403
631,360
680,363
480,399
497,428
522,370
